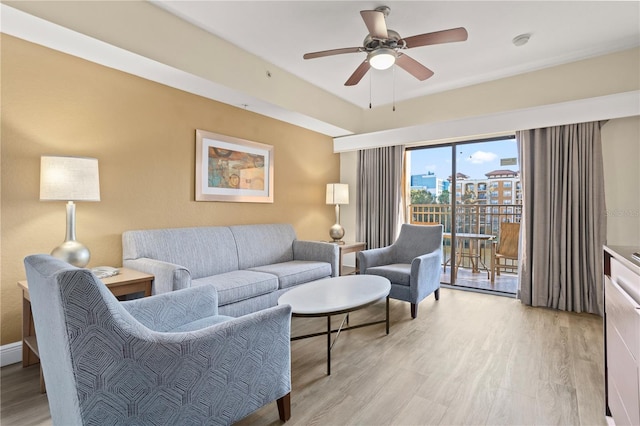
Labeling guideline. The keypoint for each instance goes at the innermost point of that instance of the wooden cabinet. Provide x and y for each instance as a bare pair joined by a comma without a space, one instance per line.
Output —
128,281
622,335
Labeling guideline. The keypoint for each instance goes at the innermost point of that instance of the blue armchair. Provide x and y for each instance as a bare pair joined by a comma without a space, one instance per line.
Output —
166,359
412,264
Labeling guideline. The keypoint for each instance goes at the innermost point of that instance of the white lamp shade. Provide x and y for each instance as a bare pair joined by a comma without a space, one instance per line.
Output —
69,179
382,59
337,193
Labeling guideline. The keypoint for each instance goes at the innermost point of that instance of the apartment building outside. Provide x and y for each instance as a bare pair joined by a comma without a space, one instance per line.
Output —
500,192
499,187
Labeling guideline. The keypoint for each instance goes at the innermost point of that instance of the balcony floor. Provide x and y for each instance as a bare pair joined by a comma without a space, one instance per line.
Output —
505,283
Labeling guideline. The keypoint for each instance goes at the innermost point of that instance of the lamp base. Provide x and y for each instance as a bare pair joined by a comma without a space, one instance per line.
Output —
336,232
73,252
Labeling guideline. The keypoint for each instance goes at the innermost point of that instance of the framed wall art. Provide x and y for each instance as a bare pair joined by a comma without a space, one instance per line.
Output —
233,169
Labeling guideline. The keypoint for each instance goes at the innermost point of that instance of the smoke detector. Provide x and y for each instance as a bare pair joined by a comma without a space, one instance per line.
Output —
521,39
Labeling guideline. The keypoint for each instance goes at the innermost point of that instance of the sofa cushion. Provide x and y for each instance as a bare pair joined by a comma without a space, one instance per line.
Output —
260,245
296,272
239,285
201,323
397,273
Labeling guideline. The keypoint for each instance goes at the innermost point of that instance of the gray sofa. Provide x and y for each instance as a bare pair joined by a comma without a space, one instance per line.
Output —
250,266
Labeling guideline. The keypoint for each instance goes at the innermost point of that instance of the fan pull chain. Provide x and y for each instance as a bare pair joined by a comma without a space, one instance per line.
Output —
370,89
394,88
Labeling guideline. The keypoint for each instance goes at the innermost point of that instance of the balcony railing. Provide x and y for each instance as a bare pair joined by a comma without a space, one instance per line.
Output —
470,218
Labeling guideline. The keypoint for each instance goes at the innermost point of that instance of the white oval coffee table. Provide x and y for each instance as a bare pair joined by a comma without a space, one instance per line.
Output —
334,296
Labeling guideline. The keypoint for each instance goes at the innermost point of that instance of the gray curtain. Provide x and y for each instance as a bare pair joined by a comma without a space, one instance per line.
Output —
563,225
379,210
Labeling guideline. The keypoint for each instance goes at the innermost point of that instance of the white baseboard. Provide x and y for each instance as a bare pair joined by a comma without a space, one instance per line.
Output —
11,353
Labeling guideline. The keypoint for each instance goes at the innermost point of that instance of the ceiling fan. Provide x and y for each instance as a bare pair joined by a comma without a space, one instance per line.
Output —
384,47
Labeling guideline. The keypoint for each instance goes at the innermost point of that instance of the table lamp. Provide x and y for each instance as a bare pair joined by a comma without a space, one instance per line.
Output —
337,193
70,179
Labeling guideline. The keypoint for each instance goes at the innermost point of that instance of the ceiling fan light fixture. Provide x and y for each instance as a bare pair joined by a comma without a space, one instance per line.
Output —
383,58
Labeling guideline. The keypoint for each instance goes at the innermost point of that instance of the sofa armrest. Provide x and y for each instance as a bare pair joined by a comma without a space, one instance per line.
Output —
167,276
170,310
375,257
317,251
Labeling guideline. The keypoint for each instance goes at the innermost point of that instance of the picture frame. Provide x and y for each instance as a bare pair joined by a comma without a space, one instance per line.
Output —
233,169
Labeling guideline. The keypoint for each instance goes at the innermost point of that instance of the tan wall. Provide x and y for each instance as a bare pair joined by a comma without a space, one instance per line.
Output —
143,28
143,135
621,158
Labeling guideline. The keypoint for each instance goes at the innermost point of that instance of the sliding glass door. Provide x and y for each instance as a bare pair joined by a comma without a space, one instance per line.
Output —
470,188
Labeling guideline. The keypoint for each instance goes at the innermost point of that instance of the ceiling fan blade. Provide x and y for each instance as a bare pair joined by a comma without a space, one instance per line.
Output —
438,37
413,67
331,52
374,20
358,74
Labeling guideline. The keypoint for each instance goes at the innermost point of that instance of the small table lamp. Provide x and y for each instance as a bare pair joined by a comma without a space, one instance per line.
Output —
337,193
70,179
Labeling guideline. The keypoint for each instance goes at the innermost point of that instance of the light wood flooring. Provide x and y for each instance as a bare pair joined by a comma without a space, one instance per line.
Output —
468,359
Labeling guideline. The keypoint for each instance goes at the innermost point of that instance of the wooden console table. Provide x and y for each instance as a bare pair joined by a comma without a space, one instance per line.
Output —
128,281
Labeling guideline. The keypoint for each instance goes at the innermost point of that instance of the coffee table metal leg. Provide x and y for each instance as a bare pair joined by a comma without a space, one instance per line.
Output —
328,345
341,328
387,313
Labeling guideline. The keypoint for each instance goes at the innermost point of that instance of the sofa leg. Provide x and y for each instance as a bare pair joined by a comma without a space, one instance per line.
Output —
414,310
284,407
437,294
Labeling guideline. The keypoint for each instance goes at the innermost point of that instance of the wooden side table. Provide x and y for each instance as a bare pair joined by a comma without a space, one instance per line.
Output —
349,247
128,281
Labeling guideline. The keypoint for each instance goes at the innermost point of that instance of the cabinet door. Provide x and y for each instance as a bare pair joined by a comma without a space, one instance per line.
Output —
623,333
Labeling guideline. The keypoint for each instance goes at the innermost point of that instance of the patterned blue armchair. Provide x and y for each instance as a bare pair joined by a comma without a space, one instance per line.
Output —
166,359
412,264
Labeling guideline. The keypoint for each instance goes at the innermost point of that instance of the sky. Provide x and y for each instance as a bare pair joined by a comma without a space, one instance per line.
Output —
474,159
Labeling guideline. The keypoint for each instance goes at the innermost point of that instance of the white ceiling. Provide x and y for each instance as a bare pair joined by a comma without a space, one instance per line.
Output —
281,32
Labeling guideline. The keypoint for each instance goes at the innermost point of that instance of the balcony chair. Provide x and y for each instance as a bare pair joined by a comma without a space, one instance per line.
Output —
506,247
412,264
166,359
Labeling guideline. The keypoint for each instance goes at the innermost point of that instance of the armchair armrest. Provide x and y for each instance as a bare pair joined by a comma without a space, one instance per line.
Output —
375,257
426,262
168,276
170,310
318,251
425,269
236,366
